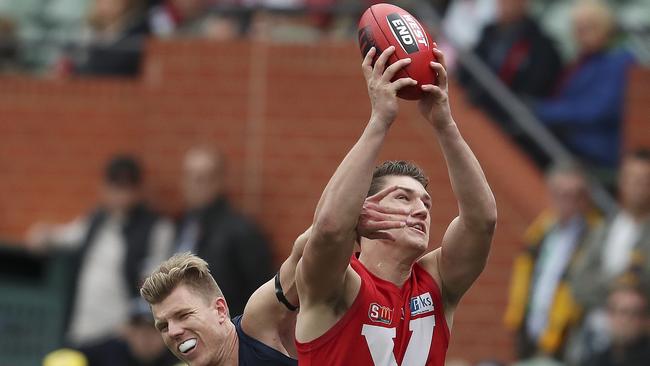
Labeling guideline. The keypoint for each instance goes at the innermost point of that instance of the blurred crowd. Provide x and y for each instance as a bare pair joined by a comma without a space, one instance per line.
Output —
122,240
106,37
579,291
566,60
576,92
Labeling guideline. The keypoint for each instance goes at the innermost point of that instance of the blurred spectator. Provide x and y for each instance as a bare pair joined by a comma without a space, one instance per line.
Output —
237,253
113,41
138,344
8,44
632,17
114,247
621,243
461,26
40,28
194,18
628,315
465,19
541,310
517,51
587,107
282,20
621,240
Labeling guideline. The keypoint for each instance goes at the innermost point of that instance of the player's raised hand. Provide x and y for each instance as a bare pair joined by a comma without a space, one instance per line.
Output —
375,218
383,92
434,106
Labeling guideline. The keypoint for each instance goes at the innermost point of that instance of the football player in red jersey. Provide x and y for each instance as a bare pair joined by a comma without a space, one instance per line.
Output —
394,304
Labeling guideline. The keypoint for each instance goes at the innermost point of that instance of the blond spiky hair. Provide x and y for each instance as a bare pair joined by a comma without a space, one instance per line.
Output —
181,269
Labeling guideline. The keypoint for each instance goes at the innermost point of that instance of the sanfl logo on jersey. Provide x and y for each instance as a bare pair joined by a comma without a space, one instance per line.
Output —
421,304
381,314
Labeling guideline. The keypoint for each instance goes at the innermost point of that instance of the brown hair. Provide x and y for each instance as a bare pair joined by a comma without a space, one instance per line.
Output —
396,168
181,269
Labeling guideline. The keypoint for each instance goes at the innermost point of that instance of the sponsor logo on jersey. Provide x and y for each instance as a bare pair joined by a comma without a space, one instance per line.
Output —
421,304
407,31
380,314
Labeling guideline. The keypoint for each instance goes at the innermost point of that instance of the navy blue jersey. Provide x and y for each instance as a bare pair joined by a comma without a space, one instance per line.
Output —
255,353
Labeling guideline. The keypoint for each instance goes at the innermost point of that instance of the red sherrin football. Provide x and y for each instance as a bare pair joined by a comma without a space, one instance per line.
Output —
385,25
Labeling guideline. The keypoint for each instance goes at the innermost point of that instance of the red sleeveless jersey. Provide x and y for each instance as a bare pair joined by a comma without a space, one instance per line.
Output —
385,326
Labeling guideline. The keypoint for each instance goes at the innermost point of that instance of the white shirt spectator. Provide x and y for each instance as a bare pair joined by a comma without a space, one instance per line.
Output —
623,235
102,300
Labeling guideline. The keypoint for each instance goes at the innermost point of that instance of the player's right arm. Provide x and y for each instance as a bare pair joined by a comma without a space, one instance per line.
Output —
323,275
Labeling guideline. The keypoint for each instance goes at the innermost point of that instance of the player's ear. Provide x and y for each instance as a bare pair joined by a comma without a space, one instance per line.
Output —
221,307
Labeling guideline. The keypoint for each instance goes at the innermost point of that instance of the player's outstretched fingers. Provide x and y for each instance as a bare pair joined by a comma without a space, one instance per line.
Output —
380,64
394,68
366,65
367,227
382,194
439,69
375,212
375,218
403,82
383,225
370,226
440,57
389,210
434,91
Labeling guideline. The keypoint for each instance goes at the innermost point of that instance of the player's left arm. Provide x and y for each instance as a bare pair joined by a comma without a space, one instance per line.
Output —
268,320
466,243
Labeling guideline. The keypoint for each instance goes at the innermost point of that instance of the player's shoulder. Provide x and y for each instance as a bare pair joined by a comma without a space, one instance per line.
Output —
252,352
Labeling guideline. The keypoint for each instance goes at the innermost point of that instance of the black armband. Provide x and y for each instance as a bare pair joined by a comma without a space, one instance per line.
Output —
280,294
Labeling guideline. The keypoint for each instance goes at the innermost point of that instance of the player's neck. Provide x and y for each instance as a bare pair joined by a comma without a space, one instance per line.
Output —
389,263
230,349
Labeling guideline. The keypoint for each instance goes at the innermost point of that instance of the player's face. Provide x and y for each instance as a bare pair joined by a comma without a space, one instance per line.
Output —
412,196
191,327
